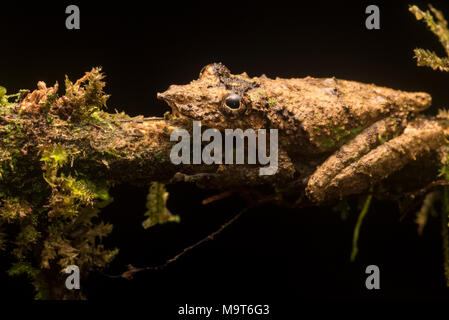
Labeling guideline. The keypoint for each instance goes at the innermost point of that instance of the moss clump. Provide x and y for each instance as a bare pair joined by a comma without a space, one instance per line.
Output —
56,157
60,229
85,97
157,211
59,155
49,208
3,98
438,25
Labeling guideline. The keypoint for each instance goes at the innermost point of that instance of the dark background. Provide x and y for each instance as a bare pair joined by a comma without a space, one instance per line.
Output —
271,254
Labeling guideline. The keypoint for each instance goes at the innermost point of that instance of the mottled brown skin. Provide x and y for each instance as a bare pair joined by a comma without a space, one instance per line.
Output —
315,118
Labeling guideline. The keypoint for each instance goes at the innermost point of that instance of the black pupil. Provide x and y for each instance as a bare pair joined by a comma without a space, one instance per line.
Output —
233,101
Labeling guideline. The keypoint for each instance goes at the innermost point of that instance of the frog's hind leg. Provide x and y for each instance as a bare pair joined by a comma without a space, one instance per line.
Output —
369,158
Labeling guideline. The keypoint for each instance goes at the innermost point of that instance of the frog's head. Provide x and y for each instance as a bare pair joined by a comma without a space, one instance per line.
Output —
217,98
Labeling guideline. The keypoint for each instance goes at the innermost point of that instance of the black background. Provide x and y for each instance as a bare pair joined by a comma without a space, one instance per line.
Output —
271,254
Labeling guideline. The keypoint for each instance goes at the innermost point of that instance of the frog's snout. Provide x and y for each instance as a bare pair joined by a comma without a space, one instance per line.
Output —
170,95
416,101
175,101
163,96
169,98
423,100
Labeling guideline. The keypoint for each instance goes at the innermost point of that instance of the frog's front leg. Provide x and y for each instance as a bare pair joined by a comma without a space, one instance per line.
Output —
371,157
229,176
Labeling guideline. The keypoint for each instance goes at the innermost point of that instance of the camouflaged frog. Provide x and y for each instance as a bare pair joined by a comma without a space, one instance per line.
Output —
342,136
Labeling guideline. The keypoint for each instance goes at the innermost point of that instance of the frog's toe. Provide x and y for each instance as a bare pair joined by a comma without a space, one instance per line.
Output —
344,174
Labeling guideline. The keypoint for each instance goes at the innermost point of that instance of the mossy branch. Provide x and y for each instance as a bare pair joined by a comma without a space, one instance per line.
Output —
59,155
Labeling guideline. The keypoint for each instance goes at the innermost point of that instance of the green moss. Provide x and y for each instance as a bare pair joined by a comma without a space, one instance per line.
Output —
14,208
51,100
57,156
86,96
438,25
3,99
382,138
157,211
325,143
355,239
355,131
53,207
102,195
272,102
339,136
20,268
99,117
5,103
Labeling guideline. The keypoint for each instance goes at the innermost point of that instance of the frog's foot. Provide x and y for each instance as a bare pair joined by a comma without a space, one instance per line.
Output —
369,158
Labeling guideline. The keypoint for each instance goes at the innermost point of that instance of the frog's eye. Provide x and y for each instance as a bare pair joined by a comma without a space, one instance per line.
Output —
233,105
233,101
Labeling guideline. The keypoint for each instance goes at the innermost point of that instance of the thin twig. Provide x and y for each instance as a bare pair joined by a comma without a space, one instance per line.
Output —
423,191
129,274
217,197
413,194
